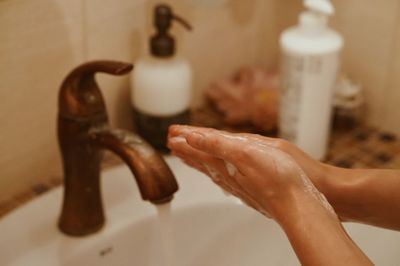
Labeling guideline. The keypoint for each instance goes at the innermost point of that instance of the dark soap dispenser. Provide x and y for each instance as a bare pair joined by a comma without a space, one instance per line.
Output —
161,83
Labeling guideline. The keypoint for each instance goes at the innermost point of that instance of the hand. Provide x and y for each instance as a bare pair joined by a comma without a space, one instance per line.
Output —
251,167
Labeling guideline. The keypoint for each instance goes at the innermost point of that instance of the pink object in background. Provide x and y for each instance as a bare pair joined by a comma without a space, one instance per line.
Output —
251,96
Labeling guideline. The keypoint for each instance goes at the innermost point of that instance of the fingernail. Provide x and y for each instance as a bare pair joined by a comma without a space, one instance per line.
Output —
176,142
175,129
195,138
177,139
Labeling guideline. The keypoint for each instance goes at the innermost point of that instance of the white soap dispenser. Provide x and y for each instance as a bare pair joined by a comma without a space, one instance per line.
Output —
310,61
161,83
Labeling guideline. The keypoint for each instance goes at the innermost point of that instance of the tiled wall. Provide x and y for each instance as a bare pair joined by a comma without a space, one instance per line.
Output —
42,40
391,98
370,30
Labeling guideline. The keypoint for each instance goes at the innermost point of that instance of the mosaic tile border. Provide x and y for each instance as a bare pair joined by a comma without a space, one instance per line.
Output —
45,185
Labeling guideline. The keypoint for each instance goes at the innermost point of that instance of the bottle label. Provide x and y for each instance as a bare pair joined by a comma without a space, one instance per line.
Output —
298,72
154,129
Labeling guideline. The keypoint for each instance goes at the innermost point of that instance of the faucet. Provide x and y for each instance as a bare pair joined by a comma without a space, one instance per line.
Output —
83,134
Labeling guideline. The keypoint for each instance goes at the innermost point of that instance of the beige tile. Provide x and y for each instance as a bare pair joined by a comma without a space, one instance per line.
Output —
287,13
368,28
223,40
40,44
267,38
391,99
114,31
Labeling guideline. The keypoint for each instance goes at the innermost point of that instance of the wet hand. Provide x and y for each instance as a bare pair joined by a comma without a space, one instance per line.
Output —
251,167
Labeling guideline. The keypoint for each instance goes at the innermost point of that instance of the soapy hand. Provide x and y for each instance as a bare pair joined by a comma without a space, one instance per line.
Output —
251,167
266,174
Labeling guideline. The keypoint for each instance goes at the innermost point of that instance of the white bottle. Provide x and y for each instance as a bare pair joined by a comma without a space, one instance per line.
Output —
310,63
161,84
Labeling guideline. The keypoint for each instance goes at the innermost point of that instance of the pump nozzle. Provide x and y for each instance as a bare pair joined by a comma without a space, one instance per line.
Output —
182,22
162,44
323,7
315,19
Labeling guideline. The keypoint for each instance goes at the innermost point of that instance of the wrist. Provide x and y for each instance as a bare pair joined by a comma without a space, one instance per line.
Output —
335,185
297,204
316,233
328,180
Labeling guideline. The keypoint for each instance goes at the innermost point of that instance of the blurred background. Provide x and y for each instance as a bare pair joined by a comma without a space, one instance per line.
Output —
42,40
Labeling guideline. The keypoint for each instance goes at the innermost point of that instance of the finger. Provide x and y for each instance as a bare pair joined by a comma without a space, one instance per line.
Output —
232,186
242,149
216,166
178,145
177,130
309,165
213,174
248,200
184,130
195,165
206,170
223,146
279,144
231,148
177,142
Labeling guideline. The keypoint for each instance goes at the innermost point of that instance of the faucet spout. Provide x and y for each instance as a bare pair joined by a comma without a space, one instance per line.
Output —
155,180
83,134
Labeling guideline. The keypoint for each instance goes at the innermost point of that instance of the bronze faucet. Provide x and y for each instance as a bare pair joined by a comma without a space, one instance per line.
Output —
83,133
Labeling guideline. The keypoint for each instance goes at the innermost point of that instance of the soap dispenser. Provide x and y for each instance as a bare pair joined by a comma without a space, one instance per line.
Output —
161,83
310,62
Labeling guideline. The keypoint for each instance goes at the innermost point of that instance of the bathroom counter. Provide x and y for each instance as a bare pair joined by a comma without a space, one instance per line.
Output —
361,147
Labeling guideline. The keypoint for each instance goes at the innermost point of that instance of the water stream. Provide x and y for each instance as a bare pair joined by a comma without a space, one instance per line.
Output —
168,255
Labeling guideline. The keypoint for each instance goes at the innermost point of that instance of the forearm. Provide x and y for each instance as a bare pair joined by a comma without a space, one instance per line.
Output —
317,235
364,195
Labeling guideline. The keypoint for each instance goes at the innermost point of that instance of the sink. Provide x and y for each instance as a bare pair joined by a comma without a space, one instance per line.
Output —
208,228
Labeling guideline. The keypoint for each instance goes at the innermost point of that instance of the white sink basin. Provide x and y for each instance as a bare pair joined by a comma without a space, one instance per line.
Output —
209,229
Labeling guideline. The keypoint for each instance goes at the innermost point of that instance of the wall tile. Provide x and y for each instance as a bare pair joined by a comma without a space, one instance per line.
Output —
114,31
368,27
267,39
390,108
223,40
40,44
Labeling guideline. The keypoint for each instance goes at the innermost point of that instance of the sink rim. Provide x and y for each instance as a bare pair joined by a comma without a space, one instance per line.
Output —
45,209
51,247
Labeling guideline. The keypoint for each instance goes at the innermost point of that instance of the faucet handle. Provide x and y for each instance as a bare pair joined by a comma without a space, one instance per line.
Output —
80,96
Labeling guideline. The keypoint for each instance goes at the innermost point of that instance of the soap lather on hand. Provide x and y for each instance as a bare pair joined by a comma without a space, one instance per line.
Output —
280,181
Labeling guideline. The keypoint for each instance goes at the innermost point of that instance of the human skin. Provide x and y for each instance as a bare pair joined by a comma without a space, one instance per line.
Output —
277,181
369,196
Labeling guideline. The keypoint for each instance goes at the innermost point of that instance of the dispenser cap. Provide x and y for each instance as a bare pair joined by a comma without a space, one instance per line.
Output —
323,7
315,19
162,44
